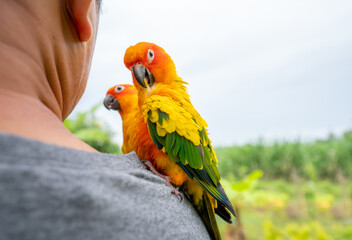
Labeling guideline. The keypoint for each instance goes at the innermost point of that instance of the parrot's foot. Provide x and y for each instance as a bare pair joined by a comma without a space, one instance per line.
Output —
166,178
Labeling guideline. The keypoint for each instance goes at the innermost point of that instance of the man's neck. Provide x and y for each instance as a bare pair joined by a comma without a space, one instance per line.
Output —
28,117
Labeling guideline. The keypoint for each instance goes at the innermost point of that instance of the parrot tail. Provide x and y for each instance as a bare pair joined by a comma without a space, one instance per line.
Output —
207,214
223,213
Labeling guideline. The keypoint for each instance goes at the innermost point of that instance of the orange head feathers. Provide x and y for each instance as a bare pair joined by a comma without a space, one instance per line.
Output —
149,64
122,97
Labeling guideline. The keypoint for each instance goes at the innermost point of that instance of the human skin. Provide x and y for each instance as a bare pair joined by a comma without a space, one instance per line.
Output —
46,49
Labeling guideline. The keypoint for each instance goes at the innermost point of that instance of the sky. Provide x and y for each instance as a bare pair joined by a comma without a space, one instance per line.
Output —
276,70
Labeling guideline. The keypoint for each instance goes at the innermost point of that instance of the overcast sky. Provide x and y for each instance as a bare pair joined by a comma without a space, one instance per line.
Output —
270,69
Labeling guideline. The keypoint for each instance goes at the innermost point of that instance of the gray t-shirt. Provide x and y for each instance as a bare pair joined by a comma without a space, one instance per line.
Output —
52,192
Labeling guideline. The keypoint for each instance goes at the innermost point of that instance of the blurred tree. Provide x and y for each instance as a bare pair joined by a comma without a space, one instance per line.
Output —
96,133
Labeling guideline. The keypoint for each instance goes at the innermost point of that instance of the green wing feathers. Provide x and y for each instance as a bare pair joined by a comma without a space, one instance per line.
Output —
178,130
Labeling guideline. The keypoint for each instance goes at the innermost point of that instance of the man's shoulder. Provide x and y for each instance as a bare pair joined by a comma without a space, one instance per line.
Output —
24,150
60,192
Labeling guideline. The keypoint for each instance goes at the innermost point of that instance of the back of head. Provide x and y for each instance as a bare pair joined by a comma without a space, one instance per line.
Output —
46,49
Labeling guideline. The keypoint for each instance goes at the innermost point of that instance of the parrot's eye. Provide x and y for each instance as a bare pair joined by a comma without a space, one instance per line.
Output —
150,55
119,89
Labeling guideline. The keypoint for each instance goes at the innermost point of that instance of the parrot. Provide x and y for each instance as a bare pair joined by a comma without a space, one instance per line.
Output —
123,98
178,131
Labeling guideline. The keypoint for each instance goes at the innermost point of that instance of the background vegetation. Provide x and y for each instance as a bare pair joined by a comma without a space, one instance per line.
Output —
284,190
321,159
96,133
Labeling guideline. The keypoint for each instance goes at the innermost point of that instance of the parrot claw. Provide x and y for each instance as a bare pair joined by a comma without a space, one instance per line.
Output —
150,166
174,190
177,194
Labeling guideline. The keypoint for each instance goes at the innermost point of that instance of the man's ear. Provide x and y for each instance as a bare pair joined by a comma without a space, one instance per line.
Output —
79,10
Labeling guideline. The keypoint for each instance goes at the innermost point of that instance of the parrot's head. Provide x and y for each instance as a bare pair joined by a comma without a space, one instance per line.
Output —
122,98
150,65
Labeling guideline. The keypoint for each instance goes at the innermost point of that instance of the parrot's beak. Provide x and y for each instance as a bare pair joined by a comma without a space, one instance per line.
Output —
111,103
142,75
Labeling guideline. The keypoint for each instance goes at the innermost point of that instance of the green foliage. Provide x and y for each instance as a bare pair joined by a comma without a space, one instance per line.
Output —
92,131
248,182
270,232
322,159
239,190
294,231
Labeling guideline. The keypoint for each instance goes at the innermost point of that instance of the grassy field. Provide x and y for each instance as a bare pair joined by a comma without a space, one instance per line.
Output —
289,190
278,209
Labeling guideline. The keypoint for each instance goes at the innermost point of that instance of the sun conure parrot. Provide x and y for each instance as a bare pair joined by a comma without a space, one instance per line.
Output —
178,130
123,98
